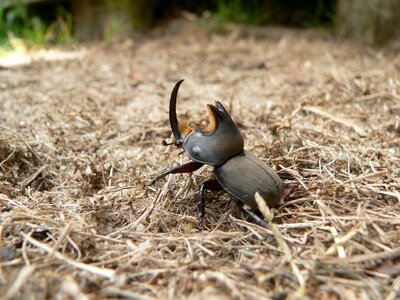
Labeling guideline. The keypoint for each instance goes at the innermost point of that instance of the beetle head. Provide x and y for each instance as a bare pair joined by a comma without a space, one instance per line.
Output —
219,142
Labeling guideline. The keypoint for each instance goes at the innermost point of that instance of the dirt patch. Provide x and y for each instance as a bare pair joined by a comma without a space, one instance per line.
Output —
80,138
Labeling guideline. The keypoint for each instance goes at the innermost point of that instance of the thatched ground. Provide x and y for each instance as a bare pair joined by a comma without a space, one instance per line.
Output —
81,137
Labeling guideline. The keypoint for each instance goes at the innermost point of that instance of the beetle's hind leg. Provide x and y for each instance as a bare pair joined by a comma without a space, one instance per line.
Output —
210,185
258,220
185,168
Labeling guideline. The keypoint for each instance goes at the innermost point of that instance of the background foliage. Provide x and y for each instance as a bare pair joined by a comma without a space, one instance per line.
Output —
52,22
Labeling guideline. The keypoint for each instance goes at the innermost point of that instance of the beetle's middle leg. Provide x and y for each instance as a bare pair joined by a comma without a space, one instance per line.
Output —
210,185
185,168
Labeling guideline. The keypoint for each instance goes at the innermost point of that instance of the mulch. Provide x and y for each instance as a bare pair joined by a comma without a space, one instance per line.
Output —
80,137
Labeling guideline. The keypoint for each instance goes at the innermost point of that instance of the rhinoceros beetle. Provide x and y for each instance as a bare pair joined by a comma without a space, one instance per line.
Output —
237,171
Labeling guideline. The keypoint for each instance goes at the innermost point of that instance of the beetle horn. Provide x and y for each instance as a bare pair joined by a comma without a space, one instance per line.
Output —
173,119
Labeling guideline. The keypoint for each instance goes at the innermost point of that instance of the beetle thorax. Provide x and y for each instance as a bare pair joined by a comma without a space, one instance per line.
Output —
216,147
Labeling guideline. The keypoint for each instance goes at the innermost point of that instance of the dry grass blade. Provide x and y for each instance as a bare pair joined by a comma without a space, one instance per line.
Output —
235,292
344,121
370,257
104,272
32,177
339,242
71,288
80,138
118,293
266,212
23,275
22,140
395,290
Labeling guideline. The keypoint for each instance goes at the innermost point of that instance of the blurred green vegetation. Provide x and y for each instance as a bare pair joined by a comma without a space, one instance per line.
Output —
22,26
298,13
119,23
251,12
21,29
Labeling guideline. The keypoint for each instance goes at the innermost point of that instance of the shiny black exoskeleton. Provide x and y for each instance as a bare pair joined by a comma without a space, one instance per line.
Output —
221,145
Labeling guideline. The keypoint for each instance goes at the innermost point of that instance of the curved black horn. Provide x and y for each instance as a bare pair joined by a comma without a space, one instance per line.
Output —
173,120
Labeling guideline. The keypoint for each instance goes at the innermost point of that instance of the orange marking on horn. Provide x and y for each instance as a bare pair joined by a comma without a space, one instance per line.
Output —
185,128
212,126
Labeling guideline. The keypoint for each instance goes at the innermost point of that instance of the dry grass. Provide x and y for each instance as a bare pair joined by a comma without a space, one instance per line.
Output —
80,138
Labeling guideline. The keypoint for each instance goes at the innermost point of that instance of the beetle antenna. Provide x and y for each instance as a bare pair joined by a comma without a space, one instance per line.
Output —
165,143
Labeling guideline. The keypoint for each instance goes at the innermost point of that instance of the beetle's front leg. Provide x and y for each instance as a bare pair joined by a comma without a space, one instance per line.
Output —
210,185
185,168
